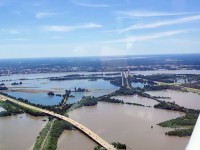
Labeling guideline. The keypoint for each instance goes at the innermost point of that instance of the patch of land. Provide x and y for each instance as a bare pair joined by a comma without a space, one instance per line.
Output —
183,125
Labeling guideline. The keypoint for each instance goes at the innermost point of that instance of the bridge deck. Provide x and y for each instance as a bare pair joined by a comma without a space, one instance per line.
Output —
84,129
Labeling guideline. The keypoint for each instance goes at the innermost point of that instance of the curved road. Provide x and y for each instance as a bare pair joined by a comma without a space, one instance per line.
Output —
84,129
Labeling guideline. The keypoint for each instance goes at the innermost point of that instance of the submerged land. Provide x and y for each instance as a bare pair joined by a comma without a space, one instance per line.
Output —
161,101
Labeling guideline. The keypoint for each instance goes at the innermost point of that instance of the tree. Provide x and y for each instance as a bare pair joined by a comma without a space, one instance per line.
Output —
50,93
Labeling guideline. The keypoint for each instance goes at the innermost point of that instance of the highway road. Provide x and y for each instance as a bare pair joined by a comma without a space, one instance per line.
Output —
81,127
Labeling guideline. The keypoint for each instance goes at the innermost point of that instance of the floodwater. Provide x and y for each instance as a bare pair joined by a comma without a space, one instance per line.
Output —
136,99
185,99
37,98
126,124
167,72
75,140
96,88
19,132
45,75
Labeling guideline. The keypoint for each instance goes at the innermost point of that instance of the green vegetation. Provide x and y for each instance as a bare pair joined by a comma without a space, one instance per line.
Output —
10,109
3,88
14,109
195,85
110,100
27,110
48,137
42,135
117,145
57,128
175,107
50,93
136,104
167,78
80,90
161,87
15,83
75,78
55,108
88,101
180,132
117,81
124,91
188,122
99,148
67,93
142,79
85,101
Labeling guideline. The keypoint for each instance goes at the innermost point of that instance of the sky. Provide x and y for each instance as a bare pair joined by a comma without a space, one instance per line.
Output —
70,28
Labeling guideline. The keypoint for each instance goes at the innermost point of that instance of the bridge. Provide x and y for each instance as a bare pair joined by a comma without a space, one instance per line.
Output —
84,129
125,82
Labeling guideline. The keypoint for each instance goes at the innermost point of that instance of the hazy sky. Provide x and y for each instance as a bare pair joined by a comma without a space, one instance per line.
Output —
63,28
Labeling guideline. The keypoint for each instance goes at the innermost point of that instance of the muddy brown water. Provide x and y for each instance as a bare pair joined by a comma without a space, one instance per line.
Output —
123,123
185,99
19,132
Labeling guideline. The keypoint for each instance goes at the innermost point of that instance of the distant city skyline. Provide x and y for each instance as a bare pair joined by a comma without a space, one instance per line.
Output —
73,28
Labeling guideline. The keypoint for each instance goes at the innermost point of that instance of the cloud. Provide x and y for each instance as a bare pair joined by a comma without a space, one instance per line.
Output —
71,28
152,13
89,4
41,15
158,24
147,37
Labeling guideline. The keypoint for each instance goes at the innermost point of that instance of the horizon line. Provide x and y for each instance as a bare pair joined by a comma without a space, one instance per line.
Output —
100,56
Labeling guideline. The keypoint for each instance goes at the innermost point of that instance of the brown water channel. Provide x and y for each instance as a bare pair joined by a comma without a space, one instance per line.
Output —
19,132
124,123
186,99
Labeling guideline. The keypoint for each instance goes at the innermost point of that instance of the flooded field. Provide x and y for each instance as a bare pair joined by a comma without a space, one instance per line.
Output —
36,90
75,140
19,132
186,99
137,99
127,124
167,72
130,125
47,75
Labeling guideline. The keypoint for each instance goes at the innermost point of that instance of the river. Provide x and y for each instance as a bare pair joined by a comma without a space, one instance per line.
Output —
36,90
47,75
114,122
